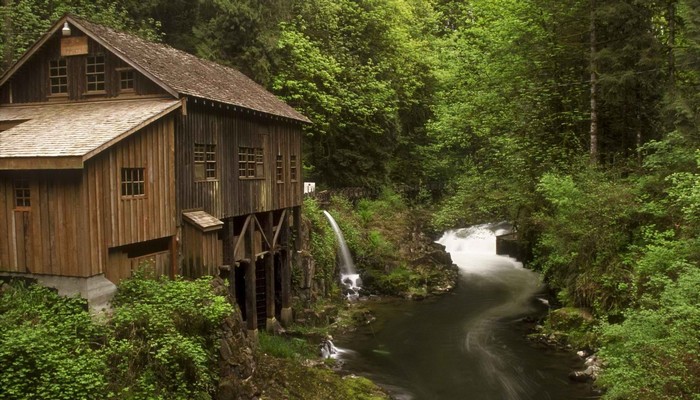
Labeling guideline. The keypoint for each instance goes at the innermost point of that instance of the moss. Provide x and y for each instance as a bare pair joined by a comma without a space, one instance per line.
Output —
286,379
577,326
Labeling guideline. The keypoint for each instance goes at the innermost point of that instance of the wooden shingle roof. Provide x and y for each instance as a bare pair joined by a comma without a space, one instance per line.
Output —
203,220
73,132
187,74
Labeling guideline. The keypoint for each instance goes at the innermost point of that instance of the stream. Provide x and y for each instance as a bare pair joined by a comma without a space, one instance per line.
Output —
468,344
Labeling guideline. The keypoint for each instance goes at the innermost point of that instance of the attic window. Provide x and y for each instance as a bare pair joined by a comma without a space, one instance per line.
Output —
95,72
58,76
126,80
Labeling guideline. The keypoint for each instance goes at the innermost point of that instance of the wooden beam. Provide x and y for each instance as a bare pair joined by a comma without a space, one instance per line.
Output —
240,238
286,276
269,278
250,294
231,260
263,232
173,257
279,229
36,163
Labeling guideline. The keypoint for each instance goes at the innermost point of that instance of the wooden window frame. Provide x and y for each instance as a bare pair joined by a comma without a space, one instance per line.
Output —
96,76
279,168
126,76
132,183
58,77
22,195
205,159
251,162
293,168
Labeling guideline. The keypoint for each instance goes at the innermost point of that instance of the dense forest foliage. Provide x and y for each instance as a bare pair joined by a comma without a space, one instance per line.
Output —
576,119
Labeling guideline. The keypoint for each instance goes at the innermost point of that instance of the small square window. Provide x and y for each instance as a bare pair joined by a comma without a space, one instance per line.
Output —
133,182
251,162
126,80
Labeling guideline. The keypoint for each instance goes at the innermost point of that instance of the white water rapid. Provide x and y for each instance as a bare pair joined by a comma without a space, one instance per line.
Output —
348,274
467,344
473,249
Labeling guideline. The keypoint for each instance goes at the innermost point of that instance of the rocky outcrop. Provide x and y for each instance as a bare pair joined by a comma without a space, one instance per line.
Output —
236,354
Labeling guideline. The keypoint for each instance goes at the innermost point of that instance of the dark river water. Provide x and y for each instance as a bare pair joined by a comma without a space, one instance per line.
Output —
468,344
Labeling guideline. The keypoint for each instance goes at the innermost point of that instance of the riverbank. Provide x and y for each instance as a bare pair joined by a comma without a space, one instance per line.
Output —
471,340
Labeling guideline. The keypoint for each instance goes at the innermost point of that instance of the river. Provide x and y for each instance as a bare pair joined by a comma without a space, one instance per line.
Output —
468,344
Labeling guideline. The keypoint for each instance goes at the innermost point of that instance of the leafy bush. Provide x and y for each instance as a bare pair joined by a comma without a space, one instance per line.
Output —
164,341
584,227
655,354
49,346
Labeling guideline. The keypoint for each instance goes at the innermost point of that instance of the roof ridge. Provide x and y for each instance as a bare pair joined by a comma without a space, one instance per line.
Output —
192,81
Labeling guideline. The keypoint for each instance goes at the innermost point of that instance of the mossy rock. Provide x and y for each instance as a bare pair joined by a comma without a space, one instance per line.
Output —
568,318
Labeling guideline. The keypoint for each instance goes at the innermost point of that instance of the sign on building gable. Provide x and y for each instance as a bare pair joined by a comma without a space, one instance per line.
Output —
74,46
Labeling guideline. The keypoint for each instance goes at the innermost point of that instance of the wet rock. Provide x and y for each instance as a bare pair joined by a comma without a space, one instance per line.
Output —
590,373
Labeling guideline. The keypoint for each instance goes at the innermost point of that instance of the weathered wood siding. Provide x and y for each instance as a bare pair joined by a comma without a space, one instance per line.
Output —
50,236
202,252
75,216
121,265
116,220
30,84
228,195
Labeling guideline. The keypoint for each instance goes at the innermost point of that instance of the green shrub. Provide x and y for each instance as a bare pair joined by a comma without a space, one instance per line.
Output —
585,226
49,347
655,354
165,336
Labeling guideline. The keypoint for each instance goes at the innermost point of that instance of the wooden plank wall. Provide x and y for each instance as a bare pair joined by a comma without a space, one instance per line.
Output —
30,83
229,196
49,237
116,221
121,266
202,252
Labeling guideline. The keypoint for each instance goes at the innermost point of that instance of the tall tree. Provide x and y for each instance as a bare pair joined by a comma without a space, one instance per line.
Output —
360,70
594,86
36,16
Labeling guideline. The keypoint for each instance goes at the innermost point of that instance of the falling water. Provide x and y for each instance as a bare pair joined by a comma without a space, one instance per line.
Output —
468,344
348,274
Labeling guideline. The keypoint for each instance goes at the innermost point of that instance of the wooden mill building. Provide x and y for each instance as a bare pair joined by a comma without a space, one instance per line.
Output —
115,151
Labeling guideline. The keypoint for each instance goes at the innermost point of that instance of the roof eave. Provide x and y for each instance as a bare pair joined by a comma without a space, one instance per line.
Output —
41,163
302,119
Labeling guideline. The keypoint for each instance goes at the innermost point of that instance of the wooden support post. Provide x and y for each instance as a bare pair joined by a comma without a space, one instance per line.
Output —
173,257
230,257
286,274
250,309
269,277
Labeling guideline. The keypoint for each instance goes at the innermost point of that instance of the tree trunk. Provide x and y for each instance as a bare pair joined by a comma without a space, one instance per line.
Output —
671,42
594,88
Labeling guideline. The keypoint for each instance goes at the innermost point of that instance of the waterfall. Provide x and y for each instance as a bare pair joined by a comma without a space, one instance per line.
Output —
348,274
